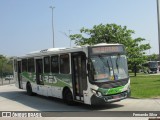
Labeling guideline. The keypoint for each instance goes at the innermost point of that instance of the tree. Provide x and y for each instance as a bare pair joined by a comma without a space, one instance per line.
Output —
153,57
2,59
113,33
5,66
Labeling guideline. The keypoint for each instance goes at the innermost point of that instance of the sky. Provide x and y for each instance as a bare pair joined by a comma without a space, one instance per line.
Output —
26,25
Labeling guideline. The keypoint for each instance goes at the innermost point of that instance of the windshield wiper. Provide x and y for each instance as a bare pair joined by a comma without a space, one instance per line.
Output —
117,64
109,67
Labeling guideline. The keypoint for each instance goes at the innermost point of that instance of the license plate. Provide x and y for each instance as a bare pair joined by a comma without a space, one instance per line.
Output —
116,97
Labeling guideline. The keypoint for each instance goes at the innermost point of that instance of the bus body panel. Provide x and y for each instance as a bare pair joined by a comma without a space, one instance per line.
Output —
47,89
53,84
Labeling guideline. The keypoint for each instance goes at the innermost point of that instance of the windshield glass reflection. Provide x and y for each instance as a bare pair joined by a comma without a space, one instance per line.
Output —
107,68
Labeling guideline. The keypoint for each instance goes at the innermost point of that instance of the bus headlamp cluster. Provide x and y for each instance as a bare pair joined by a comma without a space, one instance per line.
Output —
97,93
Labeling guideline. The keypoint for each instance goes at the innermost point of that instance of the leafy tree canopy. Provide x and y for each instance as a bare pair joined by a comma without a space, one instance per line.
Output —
113,33
153,57
5,65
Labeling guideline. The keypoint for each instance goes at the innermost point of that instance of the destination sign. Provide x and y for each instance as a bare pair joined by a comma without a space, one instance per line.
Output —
107,49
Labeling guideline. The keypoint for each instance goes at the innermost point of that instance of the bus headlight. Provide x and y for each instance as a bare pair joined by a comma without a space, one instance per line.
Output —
93,91
97,93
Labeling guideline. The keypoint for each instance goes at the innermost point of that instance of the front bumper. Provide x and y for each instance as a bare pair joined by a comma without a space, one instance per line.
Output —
95,100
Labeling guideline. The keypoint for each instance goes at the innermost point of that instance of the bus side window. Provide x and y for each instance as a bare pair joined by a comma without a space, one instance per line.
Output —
55,64
64,64
24,65
47,64
31,66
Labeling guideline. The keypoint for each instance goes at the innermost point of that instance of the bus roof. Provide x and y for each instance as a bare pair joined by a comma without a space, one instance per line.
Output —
62,50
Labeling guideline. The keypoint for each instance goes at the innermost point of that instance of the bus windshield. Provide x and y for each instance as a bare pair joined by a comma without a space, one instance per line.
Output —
106,68
153,64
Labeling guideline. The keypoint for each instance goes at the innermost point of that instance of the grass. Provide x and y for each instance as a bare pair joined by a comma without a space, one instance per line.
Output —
145,86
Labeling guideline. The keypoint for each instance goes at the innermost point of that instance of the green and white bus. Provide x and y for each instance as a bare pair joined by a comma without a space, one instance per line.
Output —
91,75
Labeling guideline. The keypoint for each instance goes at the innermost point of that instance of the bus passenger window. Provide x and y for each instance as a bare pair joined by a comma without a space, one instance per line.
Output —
24,65
46,64
64,64
31,67
54,64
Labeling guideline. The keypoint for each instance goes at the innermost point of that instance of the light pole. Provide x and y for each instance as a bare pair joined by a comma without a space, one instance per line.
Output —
158,19
52,7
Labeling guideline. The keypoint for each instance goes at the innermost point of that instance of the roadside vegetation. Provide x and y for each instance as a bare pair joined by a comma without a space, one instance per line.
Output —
145,86
5,66
113,33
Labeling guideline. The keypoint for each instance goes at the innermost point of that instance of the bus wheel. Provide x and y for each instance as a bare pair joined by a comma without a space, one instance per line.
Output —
29,89
67,97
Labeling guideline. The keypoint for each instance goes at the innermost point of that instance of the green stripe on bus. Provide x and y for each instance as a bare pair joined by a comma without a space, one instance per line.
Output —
111,90
62,80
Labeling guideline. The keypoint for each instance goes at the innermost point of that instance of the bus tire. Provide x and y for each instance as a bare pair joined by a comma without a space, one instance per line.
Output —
68,97
29,89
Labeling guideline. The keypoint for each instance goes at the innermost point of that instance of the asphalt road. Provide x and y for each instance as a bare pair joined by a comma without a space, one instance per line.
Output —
12,98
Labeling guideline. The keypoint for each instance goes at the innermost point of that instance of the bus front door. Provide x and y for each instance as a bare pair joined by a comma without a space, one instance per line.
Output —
79,76
19,74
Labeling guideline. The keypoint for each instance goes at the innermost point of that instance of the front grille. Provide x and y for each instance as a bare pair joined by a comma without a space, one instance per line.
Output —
112,84
115,97
153,69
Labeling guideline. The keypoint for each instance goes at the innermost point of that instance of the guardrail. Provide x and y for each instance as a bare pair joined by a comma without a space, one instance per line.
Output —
6,82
